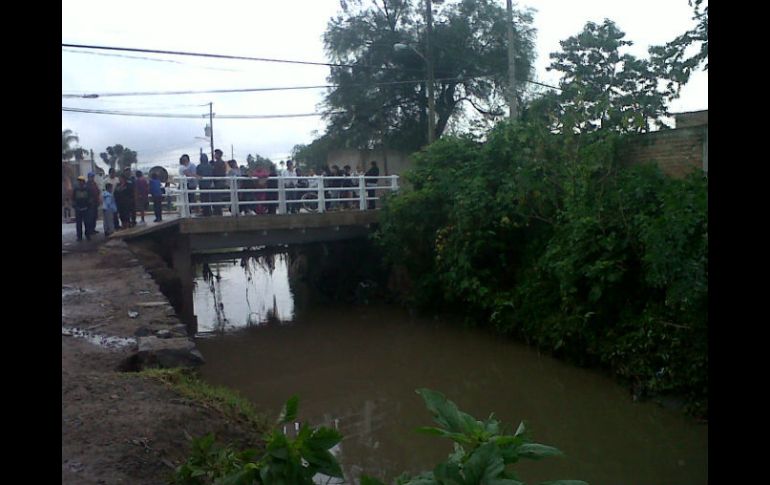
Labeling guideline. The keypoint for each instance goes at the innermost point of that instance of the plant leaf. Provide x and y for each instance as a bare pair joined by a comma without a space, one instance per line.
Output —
289,411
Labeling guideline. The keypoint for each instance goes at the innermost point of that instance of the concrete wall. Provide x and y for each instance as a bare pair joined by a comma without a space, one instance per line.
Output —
691,118
392,162
678,152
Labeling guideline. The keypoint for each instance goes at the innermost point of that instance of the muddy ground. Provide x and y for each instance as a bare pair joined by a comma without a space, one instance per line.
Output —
119,427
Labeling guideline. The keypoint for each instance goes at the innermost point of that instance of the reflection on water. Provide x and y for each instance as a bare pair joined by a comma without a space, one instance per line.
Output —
243,291
356,369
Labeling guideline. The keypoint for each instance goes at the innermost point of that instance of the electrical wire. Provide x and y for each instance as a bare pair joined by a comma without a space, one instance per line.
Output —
216,56
193,116
249,90
247,58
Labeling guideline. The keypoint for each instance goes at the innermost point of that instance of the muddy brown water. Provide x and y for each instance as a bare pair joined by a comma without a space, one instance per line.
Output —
357,367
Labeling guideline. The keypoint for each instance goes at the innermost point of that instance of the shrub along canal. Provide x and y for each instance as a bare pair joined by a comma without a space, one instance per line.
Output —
356,367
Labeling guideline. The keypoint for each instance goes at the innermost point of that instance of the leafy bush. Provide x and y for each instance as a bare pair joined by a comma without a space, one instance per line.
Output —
284,460
482,454
547,237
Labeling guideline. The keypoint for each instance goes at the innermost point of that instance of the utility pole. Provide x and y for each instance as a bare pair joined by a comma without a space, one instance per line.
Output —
232,153
211,128
511,67
429,62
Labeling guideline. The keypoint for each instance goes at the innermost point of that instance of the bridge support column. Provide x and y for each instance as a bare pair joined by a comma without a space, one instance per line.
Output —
182,261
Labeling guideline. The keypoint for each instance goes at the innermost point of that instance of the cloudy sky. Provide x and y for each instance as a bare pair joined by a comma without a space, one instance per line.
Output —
289,29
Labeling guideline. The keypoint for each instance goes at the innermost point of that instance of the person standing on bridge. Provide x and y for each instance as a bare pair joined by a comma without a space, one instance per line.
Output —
94,197
109,208
205,170
156,192
219,169
124,197
112,178
142,194
187,169
373,171
290,183
131,184
81,200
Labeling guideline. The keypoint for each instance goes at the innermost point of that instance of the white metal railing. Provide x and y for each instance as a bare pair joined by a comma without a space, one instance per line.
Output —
287,194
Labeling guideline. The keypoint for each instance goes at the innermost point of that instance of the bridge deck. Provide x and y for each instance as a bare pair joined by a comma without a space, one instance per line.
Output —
227,231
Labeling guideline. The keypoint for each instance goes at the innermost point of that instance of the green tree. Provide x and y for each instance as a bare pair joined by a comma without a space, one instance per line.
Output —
603,88
377,102
67,150
118,155
258,162
672,59
314,155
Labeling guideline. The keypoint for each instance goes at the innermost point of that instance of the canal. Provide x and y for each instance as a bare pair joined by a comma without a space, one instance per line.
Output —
356,367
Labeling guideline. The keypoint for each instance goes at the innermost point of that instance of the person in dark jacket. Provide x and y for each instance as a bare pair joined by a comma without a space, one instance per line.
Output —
82,200
95,196
205,170
219,170
131,183
124,199
156,192
373,171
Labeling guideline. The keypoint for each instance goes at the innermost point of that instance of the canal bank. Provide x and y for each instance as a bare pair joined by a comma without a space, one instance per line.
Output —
124,427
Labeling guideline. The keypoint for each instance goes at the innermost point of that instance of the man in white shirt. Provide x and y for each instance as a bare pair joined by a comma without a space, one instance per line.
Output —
290,171
187,169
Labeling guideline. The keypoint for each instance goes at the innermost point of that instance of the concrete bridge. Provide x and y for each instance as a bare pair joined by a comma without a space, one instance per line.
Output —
183,237
217,232
305,213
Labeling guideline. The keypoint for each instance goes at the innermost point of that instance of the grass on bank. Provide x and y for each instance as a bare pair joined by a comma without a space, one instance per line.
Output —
227,401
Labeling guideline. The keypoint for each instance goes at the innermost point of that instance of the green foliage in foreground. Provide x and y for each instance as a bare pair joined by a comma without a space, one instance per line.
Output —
284,460
547,237
482,455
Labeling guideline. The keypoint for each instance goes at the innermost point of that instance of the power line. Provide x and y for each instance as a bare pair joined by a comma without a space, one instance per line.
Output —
249,90
215,56
147,59
185,115
247,58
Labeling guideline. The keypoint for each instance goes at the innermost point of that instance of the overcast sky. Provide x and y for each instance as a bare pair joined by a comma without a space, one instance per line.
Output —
289,29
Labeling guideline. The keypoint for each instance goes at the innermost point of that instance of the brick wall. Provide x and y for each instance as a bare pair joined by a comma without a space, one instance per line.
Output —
678,152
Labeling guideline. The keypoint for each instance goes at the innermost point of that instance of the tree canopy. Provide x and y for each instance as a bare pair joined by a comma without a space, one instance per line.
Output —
672,60
67,150
118,155
601,88
380,101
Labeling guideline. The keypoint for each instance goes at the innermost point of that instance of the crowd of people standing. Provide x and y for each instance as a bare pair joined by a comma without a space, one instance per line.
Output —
124,197
199,177
118,197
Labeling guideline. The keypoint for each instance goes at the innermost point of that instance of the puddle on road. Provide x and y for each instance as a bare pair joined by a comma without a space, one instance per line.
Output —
105,341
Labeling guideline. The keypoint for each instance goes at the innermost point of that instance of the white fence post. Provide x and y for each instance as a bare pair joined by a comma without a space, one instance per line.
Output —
394,183
184,209
321,195
281,197
361,193
233,196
